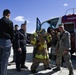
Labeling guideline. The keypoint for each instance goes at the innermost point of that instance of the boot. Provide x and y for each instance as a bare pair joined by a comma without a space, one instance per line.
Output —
57,69
33,71
71,72
18,69
48,68
23,66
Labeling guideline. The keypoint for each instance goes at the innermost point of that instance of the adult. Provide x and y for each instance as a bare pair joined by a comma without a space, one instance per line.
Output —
21,39
63,47
6,36
14,45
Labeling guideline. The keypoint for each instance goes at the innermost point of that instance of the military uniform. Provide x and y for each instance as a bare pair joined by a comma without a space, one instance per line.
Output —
64,44
41,55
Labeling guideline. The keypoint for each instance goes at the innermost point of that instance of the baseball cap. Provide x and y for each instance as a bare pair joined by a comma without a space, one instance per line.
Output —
61,25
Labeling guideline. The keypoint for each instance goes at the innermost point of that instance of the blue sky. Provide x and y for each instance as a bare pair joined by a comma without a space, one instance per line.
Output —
28,10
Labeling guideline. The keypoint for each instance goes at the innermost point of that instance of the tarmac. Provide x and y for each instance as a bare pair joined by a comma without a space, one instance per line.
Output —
40,69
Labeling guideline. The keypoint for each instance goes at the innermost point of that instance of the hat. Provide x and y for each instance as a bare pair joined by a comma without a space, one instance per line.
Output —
61,25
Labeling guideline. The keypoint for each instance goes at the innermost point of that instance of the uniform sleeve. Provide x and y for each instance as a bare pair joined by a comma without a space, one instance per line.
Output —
67,41
33,39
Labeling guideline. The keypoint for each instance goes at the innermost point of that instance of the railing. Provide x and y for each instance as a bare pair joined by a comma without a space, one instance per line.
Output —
70,9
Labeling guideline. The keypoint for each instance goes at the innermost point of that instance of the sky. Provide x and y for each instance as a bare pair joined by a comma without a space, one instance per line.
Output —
29,10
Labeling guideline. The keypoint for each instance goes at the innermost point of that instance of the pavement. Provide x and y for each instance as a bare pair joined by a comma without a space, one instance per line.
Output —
40,69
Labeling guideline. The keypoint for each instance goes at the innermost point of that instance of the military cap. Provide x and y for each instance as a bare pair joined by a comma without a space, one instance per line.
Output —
61,25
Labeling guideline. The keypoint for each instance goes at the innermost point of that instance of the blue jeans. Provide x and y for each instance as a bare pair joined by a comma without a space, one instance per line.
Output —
5,47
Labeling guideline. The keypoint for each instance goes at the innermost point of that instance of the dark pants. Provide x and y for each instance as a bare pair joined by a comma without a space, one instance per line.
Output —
20,57
5,46
34,51
37,61
14,51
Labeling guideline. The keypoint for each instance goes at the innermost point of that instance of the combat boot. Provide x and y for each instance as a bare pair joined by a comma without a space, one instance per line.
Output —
33,71
71,72
48,67
57,69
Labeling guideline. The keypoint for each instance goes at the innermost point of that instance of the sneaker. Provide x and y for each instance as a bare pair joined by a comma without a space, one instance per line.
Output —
71,72
57,69
24,66
33,71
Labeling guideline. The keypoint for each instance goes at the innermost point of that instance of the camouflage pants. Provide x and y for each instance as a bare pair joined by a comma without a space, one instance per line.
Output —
67,59
36,62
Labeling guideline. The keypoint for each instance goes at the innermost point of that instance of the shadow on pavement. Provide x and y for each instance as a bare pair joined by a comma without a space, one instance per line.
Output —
14,72
50,73
73,58
28,72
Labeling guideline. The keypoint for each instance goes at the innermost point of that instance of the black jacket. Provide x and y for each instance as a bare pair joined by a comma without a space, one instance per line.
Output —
20,38
6,29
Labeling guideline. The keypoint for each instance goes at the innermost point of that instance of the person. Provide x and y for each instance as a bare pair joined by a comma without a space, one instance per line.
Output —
52,54
14,45
33,42
6,37
63,47
21,38
41,54
49,32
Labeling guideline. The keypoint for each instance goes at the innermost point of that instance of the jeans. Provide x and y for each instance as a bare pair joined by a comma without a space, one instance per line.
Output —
5,47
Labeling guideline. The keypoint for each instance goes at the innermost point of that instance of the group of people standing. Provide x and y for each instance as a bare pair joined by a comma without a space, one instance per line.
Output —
40,40
60,44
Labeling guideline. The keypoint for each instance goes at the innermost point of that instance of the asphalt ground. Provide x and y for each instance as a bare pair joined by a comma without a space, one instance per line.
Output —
40,69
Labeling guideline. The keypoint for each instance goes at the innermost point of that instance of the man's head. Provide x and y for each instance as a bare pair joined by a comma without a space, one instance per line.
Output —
16,27
6,13
23,26
49,30
61,27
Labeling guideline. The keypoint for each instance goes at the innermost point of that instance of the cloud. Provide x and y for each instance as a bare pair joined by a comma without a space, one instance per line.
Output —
19,18
65,4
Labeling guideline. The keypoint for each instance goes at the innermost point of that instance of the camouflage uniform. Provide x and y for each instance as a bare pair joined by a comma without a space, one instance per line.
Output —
64,44
41,54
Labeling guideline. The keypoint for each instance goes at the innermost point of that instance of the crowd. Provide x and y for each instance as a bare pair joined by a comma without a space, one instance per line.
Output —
10,35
